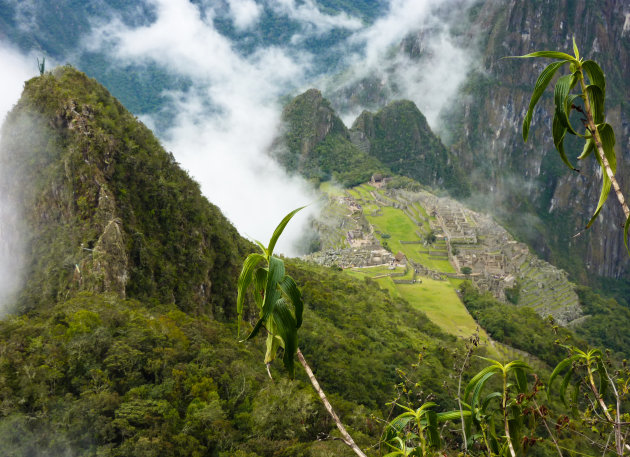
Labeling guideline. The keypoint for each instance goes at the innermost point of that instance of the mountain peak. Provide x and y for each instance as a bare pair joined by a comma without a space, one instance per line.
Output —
106,209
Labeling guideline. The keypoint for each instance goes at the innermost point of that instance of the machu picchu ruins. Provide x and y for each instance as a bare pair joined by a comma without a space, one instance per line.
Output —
443,240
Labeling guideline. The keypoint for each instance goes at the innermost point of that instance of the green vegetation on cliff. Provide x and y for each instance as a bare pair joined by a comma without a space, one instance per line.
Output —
317,144
106,207
400,137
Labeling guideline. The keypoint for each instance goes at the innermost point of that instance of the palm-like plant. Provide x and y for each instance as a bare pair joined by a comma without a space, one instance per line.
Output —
510,405
280,307
587,365
277,297
598,135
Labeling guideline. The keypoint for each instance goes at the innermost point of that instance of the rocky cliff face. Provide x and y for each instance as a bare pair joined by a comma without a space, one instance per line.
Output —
534,193
105,208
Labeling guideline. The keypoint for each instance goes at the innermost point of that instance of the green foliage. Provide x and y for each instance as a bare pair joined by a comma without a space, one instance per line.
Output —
519,327
598,134
89,165
401,138
317,144
273,291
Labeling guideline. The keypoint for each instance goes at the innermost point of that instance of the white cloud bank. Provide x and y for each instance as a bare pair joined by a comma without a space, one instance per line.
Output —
431,81
225,122
245,13
16,68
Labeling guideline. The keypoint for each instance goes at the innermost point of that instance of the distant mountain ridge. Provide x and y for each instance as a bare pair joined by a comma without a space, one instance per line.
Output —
315,143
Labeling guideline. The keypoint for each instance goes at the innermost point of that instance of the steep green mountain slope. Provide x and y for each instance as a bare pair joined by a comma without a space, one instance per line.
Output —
316,143
107,209
399,136
127,346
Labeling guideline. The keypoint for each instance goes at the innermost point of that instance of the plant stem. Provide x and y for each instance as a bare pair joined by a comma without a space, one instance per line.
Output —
346,436
505,416
600,149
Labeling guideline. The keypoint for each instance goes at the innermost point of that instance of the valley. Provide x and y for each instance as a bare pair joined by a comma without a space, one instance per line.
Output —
421,246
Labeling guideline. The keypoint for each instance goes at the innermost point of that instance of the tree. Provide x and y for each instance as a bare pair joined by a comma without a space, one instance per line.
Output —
598,135
280,306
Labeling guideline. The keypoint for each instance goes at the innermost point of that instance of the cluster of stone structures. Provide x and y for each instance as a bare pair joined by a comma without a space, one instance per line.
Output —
477,247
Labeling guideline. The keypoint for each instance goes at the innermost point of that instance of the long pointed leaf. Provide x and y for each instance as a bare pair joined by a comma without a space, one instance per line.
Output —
286,327
548,54
596,96
560,95
559,131
521,380
452,415
290,288
476,378
272,294
541,84
279,229
478,388
595,74
244,281
559,368
607,136
565,384
589,146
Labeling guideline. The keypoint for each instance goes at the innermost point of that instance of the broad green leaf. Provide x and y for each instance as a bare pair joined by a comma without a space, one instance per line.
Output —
488,399
548,54
589,146
559,131
521,380
559,368
560,95
290,288
260,281
400,422
244,281
432,430
426,405
607,136
626,227
279,229
517,364
596,96
541,84
262,248
273,343
595,74
272,294
286,328
478,387
477,377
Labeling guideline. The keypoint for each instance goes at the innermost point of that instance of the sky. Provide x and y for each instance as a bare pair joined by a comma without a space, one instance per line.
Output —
224,122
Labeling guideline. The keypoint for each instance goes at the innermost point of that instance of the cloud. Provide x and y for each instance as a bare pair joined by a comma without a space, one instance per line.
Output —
225,122
431,78
310,16
245,13
16,68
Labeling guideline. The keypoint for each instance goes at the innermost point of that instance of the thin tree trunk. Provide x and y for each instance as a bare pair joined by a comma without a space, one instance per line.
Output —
346,436
600,149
